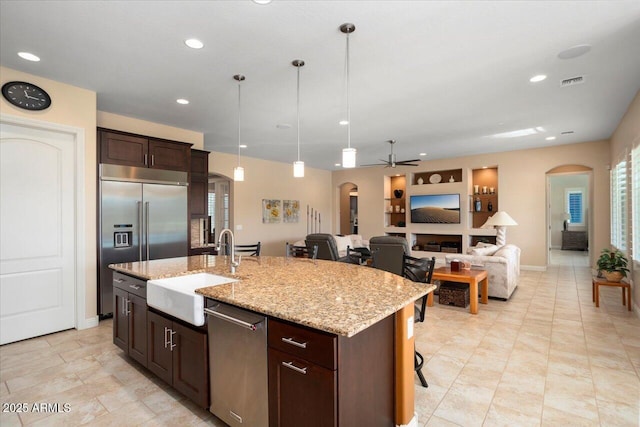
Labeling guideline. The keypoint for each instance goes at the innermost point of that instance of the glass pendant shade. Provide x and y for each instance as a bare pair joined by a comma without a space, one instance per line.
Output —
298,169
238,173
348,157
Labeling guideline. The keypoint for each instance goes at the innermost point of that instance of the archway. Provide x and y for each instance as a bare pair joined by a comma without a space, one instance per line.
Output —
569,219
348,212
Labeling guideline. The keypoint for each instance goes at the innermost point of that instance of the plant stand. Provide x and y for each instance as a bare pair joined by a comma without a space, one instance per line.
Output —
595,292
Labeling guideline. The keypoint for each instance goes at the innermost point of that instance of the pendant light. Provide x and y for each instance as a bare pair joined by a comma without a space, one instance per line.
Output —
238,171
298,166
348,154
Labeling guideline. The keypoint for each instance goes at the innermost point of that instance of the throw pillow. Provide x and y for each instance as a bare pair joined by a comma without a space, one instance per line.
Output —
485,251
342,242
356,241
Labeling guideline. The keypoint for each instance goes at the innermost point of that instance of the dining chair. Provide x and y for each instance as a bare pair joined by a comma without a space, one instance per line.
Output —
419,270
251,250
292,251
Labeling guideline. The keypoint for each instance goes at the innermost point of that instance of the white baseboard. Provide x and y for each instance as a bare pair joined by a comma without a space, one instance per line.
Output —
533,267
91,322
412,423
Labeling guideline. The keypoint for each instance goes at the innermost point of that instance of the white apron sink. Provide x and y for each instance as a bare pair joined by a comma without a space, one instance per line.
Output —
176,296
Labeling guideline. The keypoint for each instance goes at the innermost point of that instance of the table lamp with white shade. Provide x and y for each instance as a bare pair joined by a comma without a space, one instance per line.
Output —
500,220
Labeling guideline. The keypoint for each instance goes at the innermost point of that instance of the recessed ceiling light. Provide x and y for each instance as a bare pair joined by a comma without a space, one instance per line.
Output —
538,78
28,56
343,122
550,138
397,174
262,1
182,101
423,154
574,51
484,167
194,43
243,145
336,164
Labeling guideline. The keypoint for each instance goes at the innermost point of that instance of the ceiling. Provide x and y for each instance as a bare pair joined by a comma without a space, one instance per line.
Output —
441,78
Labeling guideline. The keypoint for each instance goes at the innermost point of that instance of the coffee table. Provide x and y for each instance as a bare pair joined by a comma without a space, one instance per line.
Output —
470,277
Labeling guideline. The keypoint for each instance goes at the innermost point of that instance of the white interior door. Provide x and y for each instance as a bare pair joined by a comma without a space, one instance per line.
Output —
37,248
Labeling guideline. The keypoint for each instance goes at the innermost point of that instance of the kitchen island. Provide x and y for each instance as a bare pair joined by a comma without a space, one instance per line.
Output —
354,304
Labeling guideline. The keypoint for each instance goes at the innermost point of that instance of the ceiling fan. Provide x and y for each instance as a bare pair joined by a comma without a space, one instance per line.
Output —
392,162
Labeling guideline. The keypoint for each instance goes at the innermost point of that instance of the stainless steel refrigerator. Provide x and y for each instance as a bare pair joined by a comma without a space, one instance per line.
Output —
143,216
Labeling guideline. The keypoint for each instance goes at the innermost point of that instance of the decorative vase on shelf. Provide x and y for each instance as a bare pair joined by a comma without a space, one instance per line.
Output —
478,205
490,207
398,193
420,181
452,179
476,189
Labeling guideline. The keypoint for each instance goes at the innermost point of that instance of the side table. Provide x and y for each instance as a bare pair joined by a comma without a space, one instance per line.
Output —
471,277
596,282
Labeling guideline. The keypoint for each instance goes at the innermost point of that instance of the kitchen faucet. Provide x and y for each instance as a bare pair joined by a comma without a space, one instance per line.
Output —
234,264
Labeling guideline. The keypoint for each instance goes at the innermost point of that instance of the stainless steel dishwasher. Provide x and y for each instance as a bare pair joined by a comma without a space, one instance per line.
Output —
238,365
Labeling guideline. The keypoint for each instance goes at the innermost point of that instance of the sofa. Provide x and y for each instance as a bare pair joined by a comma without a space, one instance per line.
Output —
501,262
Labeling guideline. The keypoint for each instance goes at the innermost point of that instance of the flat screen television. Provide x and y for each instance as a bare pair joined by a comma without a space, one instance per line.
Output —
435,208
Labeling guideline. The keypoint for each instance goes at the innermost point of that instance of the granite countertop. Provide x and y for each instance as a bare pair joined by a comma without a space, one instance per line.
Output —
335,297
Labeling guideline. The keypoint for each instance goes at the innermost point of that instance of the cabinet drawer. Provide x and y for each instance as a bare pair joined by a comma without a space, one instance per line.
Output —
130,284
311,345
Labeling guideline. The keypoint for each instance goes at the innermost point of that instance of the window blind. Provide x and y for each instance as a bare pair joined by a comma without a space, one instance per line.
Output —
619,206
635,200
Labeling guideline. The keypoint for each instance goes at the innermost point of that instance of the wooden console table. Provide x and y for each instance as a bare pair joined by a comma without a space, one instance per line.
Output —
596,282
575,240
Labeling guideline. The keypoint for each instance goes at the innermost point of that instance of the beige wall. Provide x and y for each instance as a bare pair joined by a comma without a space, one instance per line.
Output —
71,106
521,192
143,127
627,136
273,180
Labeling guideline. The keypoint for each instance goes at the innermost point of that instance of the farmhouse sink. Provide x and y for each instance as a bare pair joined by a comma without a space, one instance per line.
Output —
176,296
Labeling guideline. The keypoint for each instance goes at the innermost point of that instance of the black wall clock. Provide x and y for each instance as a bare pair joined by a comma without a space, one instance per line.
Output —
26,95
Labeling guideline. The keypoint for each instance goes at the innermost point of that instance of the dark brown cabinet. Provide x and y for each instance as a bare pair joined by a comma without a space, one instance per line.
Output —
320,379
130,316
178,355
136,150
199,185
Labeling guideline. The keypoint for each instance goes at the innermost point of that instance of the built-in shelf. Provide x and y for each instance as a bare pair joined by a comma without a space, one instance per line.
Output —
437,177
484,189
448,243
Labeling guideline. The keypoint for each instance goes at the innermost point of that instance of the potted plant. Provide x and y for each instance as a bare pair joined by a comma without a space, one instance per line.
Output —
613,265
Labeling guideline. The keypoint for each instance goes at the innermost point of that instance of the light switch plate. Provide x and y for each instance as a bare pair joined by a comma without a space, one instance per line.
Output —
410,327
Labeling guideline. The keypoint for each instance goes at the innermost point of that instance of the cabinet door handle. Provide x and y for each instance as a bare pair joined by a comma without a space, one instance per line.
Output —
152,160
294,342
126,306
145,159
171,334
136,287
118,280
290,365
166,337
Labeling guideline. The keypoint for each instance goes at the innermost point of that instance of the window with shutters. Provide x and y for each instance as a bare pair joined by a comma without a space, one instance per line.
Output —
619,198
575,206
635,202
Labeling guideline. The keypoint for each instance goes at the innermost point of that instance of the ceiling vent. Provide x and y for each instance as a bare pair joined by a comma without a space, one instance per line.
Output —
572,81
567,132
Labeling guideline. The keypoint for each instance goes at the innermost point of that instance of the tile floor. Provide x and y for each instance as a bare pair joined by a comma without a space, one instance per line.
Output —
546,357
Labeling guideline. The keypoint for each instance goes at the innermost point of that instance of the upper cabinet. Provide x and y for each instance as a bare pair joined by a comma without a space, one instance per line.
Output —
199,183
135,150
